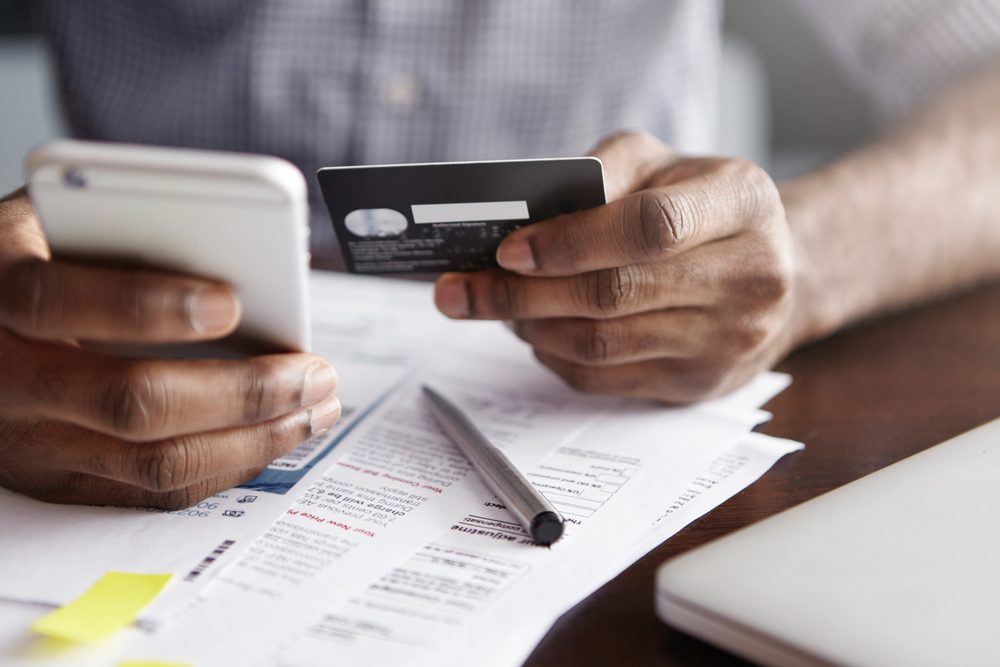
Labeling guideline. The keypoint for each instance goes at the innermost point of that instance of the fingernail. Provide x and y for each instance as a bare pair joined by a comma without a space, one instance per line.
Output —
212,310
516,255
324,415
453,298
319,382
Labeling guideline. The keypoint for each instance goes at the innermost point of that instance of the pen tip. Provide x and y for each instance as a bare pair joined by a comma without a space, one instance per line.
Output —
546,528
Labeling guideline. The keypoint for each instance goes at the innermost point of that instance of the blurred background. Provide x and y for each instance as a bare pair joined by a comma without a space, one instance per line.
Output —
784,102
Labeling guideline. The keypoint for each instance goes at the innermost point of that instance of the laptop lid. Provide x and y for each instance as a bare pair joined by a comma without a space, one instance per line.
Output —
901,567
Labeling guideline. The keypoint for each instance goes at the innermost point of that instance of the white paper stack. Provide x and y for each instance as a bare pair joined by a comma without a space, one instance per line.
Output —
390,548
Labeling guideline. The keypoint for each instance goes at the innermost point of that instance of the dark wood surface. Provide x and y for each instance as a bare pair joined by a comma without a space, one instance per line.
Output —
861,400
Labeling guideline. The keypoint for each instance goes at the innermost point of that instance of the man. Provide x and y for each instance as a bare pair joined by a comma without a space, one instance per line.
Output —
699,273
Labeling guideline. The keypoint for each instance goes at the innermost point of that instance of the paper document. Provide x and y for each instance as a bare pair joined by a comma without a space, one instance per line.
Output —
478,575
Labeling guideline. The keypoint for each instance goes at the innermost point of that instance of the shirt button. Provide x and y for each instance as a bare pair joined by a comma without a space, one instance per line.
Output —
403,92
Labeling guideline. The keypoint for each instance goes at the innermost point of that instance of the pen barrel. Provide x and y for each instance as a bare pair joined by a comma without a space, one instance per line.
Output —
508,483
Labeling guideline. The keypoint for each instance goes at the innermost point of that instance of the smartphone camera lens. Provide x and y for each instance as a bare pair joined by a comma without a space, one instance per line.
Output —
74,178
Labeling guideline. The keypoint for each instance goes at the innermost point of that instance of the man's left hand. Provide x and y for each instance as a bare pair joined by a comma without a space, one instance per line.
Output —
679,289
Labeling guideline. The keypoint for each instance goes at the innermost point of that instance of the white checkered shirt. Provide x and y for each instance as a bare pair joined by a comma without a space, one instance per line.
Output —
327,82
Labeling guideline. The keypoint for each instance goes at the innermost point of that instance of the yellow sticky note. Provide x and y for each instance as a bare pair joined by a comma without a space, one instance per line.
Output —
106,607
150,663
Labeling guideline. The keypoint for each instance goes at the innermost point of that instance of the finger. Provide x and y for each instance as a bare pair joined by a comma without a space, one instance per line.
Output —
675,381
630,159
21,233
499,295
55,300
149,399
726,270
646,226
675,333
82,489
178,463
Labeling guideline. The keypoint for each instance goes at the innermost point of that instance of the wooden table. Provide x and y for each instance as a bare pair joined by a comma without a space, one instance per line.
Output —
861,400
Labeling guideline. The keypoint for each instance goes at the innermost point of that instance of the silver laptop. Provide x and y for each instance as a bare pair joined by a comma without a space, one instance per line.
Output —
901,567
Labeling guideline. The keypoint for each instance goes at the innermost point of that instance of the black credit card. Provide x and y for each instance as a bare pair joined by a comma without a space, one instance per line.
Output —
449,216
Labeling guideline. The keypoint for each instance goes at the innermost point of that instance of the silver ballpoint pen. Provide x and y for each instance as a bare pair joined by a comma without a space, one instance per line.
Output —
533,511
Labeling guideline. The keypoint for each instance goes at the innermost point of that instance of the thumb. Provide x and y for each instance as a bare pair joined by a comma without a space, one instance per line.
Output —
630,160
21,233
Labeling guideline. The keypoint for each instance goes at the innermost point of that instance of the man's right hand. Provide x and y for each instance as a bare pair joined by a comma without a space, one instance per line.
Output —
80,426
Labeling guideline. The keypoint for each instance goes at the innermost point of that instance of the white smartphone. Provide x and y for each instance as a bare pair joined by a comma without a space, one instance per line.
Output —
239,218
